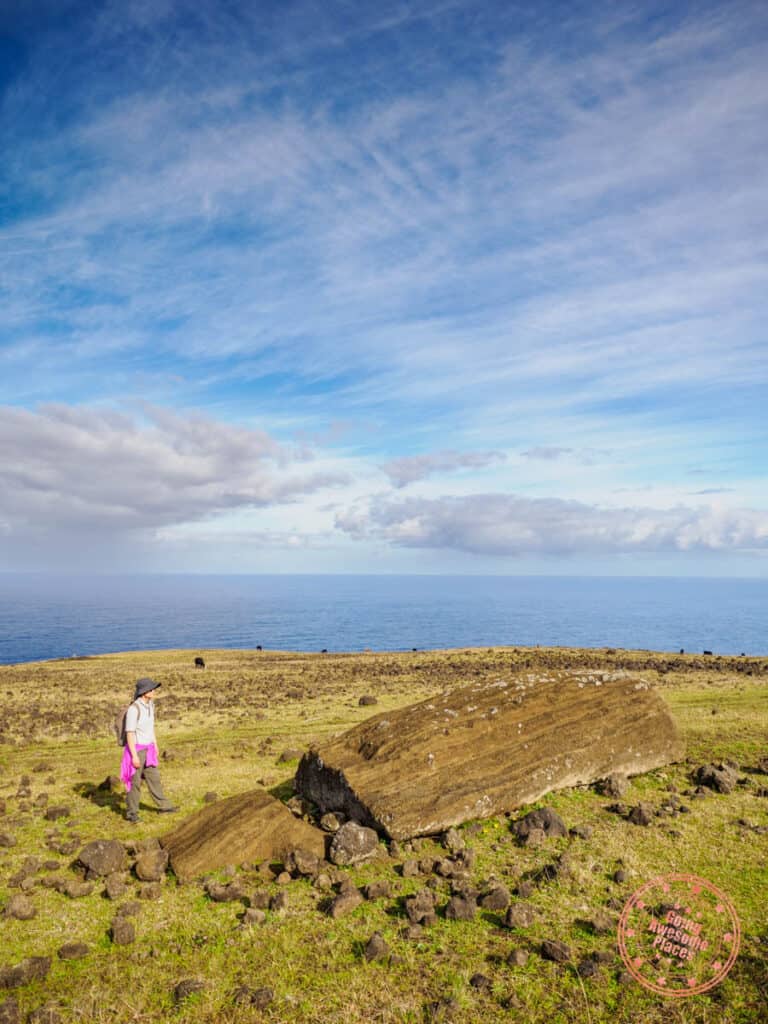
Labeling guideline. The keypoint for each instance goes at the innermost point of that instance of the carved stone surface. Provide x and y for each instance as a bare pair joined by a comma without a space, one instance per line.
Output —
483,749
252,826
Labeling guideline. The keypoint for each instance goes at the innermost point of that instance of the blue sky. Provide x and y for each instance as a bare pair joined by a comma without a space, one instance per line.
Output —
415,287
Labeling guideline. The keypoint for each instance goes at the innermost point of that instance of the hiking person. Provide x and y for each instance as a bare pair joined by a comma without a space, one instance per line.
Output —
140,754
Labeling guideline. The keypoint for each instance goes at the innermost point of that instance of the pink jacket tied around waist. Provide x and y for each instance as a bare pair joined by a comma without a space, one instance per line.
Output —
127,771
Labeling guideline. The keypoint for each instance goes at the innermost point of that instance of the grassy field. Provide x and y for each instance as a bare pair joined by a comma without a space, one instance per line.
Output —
224,728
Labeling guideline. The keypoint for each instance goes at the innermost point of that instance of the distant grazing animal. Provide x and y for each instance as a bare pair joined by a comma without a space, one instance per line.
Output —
324,650
258,647
199,663
708,652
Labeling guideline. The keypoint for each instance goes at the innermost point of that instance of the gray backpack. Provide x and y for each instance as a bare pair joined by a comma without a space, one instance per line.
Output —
119,723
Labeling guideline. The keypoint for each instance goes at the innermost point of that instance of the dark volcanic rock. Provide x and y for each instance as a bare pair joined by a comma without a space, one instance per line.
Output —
376,948
123,931
481,982
258,998
544,818
641,814
459,908
10,1012
721,777
73,951
55,813
380,889
420,907
34,968
615,785
187,987
367,700
102,857
151,864
554,949
496,898
344,903
20,907
520,915
353,844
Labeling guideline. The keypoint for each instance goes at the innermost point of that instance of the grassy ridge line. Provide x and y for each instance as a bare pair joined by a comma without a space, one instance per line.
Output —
224,728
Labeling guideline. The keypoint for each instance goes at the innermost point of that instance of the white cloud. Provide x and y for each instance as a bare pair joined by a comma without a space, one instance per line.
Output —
64,468
509,525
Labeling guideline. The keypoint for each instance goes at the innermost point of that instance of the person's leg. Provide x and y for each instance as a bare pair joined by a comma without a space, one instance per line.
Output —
134,793
155,786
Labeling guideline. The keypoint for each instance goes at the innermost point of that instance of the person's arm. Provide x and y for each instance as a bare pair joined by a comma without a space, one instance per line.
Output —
130,740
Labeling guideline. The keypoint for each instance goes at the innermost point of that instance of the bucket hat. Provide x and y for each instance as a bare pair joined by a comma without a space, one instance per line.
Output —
144,686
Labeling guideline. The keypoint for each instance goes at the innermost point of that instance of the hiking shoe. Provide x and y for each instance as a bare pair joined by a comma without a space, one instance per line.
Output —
167,810
132,820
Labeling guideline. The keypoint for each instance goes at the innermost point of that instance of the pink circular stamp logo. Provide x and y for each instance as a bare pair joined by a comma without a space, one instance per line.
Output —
679,935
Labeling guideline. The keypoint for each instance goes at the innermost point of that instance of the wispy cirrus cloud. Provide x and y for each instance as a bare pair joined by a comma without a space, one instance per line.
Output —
410,468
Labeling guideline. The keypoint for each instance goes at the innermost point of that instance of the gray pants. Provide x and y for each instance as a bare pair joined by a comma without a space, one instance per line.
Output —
154,785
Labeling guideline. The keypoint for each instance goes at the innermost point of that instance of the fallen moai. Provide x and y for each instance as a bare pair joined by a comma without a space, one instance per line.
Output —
487,748
252,826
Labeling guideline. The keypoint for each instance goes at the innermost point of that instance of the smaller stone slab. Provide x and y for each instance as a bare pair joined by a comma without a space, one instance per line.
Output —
252,826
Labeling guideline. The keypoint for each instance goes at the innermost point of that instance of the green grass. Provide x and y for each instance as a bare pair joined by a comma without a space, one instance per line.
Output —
261,703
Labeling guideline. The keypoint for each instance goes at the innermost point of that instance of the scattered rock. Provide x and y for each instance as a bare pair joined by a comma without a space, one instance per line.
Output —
76,890
587,968
20,908
34,968
496,898
150,891
186,988
582,831
344,903
380,889
376,948
303,862
367,700
453,840
60,811
420,907
10,1012
517,958
602,923
410,868
353,844
279,902
412,932
641,814
151,864
460,908
332,821
210,797
129,909
7,840
554,949
102,857
481,982
620,876
73,951
258,998
544,818
115,887
721,777
219,893
122,931
290,755
252,916
520,915
615,785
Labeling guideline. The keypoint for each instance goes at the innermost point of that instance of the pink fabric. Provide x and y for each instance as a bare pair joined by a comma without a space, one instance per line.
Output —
127,771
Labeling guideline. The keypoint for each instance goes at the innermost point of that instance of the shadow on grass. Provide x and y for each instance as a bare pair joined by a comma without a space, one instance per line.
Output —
102,795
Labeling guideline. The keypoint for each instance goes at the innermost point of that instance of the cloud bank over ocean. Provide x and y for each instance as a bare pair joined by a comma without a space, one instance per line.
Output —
446,287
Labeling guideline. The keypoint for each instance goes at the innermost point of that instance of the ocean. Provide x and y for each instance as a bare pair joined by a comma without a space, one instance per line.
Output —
60,616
